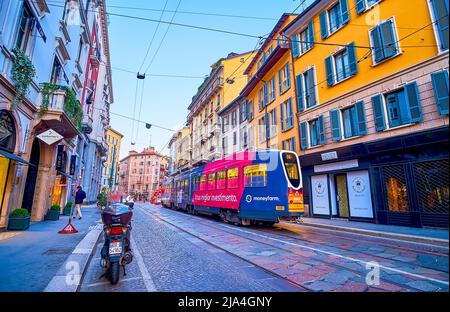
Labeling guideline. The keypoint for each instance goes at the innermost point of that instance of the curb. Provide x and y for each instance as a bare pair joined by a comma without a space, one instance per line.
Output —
403,237
69,275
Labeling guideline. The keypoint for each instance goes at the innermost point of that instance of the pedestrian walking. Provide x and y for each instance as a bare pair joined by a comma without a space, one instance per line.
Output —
80,195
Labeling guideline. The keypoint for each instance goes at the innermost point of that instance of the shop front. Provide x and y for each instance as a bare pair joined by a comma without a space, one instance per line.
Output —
402,180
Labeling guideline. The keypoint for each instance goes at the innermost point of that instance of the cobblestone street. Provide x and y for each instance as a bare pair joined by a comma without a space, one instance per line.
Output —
175,251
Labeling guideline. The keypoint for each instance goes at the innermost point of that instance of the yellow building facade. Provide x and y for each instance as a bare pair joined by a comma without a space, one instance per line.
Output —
110,176
270,93
221,87
372,90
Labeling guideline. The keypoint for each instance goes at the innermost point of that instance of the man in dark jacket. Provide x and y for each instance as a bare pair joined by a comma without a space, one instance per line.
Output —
80,195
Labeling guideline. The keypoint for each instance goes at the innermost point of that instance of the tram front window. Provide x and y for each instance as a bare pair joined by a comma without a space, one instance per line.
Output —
292,169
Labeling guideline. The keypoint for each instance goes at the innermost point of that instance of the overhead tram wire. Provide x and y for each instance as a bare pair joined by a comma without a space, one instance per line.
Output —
232,32
298,7
162,40
154,35
157,75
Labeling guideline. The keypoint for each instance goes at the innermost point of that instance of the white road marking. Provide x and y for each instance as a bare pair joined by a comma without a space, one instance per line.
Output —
335,255
149,285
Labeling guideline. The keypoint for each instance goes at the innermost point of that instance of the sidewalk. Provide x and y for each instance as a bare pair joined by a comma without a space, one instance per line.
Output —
30,259
418,235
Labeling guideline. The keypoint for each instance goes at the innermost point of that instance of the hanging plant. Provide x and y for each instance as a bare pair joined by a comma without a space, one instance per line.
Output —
47,90
72,107
22,74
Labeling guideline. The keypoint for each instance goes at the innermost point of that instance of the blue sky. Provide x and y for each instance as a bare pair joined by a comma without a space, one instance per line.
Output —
184,51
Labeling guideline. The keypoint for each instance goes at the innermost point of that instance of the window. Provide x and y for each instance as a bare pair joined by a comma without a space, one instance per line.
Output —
440,88
439,15
349,119
250,109
224,146
273,123
243,111
272,89
261,99
234,138
306,88
234,118
334,18
225,123
233,178
384,41
262,129
284,78
341,65
203,183
56,72
211,181
304,41
362,5
243,138
221,180
353,120
218,100
26,26
397,108
255,175
312,133
289,144
287,115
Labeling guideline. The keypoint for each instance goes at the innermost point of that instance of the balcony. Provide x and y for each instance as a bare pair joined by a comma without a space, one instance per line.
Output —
56,118
215,129
95,57
86,124
214,153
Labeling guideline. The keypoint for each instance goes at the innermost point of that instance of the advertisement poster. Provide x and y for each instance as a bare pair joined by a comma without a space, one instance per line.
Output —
320,195
359,194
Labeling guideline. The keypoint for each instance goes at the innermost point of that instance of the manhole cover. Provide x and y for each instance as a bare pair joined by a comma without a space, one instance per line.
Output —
61,251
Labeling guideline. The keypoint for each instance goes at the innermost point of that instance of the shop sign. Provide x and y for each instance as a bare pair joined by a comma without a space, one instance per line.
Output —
337,166
73,160
359,194
50,136
61,159
329,156
320,195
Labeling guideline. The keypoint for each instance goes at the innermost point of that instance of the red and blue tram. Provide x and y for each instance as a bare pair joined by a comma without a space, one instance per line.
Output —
244,188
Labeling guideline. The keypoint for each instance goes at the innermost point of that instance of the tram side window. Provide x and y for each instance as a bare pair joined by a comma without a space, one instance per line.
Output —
185,186
212,181
255,175
203,183
233,178
221,180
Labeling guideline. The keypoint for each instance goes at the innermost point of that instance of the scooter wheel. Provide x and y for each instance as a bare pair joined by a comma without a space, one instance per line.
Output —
115,272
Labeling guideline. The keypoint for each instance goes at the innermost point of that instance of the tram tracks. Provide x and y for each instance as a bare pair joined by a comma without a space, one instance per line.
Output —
233,231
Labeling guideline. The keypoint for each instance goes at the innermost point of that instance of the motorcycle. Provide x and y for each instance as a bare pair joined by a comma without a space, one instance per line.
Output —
116,251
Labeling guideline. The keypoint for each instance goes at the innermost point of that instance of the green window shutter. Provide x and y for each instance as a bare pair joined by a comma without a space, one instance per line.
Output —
353,63
312,87
288,75
377,44
311,34
282,116
321,121
388,39
413,101
266,93
283,145
304,135
280,80
360,6
293,144
361,118
290,114
335,121
440,87
295,46
324,24
440,10
300,101
329,70
345,14
378,112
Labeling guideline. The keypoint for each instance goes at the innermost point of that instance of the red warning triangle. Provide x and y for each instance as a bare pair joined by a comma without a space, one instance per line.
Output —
68,229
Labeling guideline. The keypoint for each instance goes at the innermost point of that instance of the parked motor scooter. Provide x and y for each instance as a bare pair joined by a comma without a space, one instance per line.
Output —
116,251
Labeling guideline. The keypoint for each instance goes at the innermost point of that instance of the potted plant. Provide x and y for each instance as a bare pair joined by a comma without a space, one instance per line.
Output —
19,220
53,213
68,208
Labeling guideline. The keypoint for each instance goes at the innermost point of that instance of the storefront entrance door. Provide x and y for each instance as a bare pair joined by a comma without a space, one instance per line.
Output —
342,195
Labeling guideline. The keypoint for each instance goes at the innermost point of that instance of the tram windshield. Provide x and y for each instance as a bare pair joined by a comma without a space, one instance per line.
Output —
292,169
